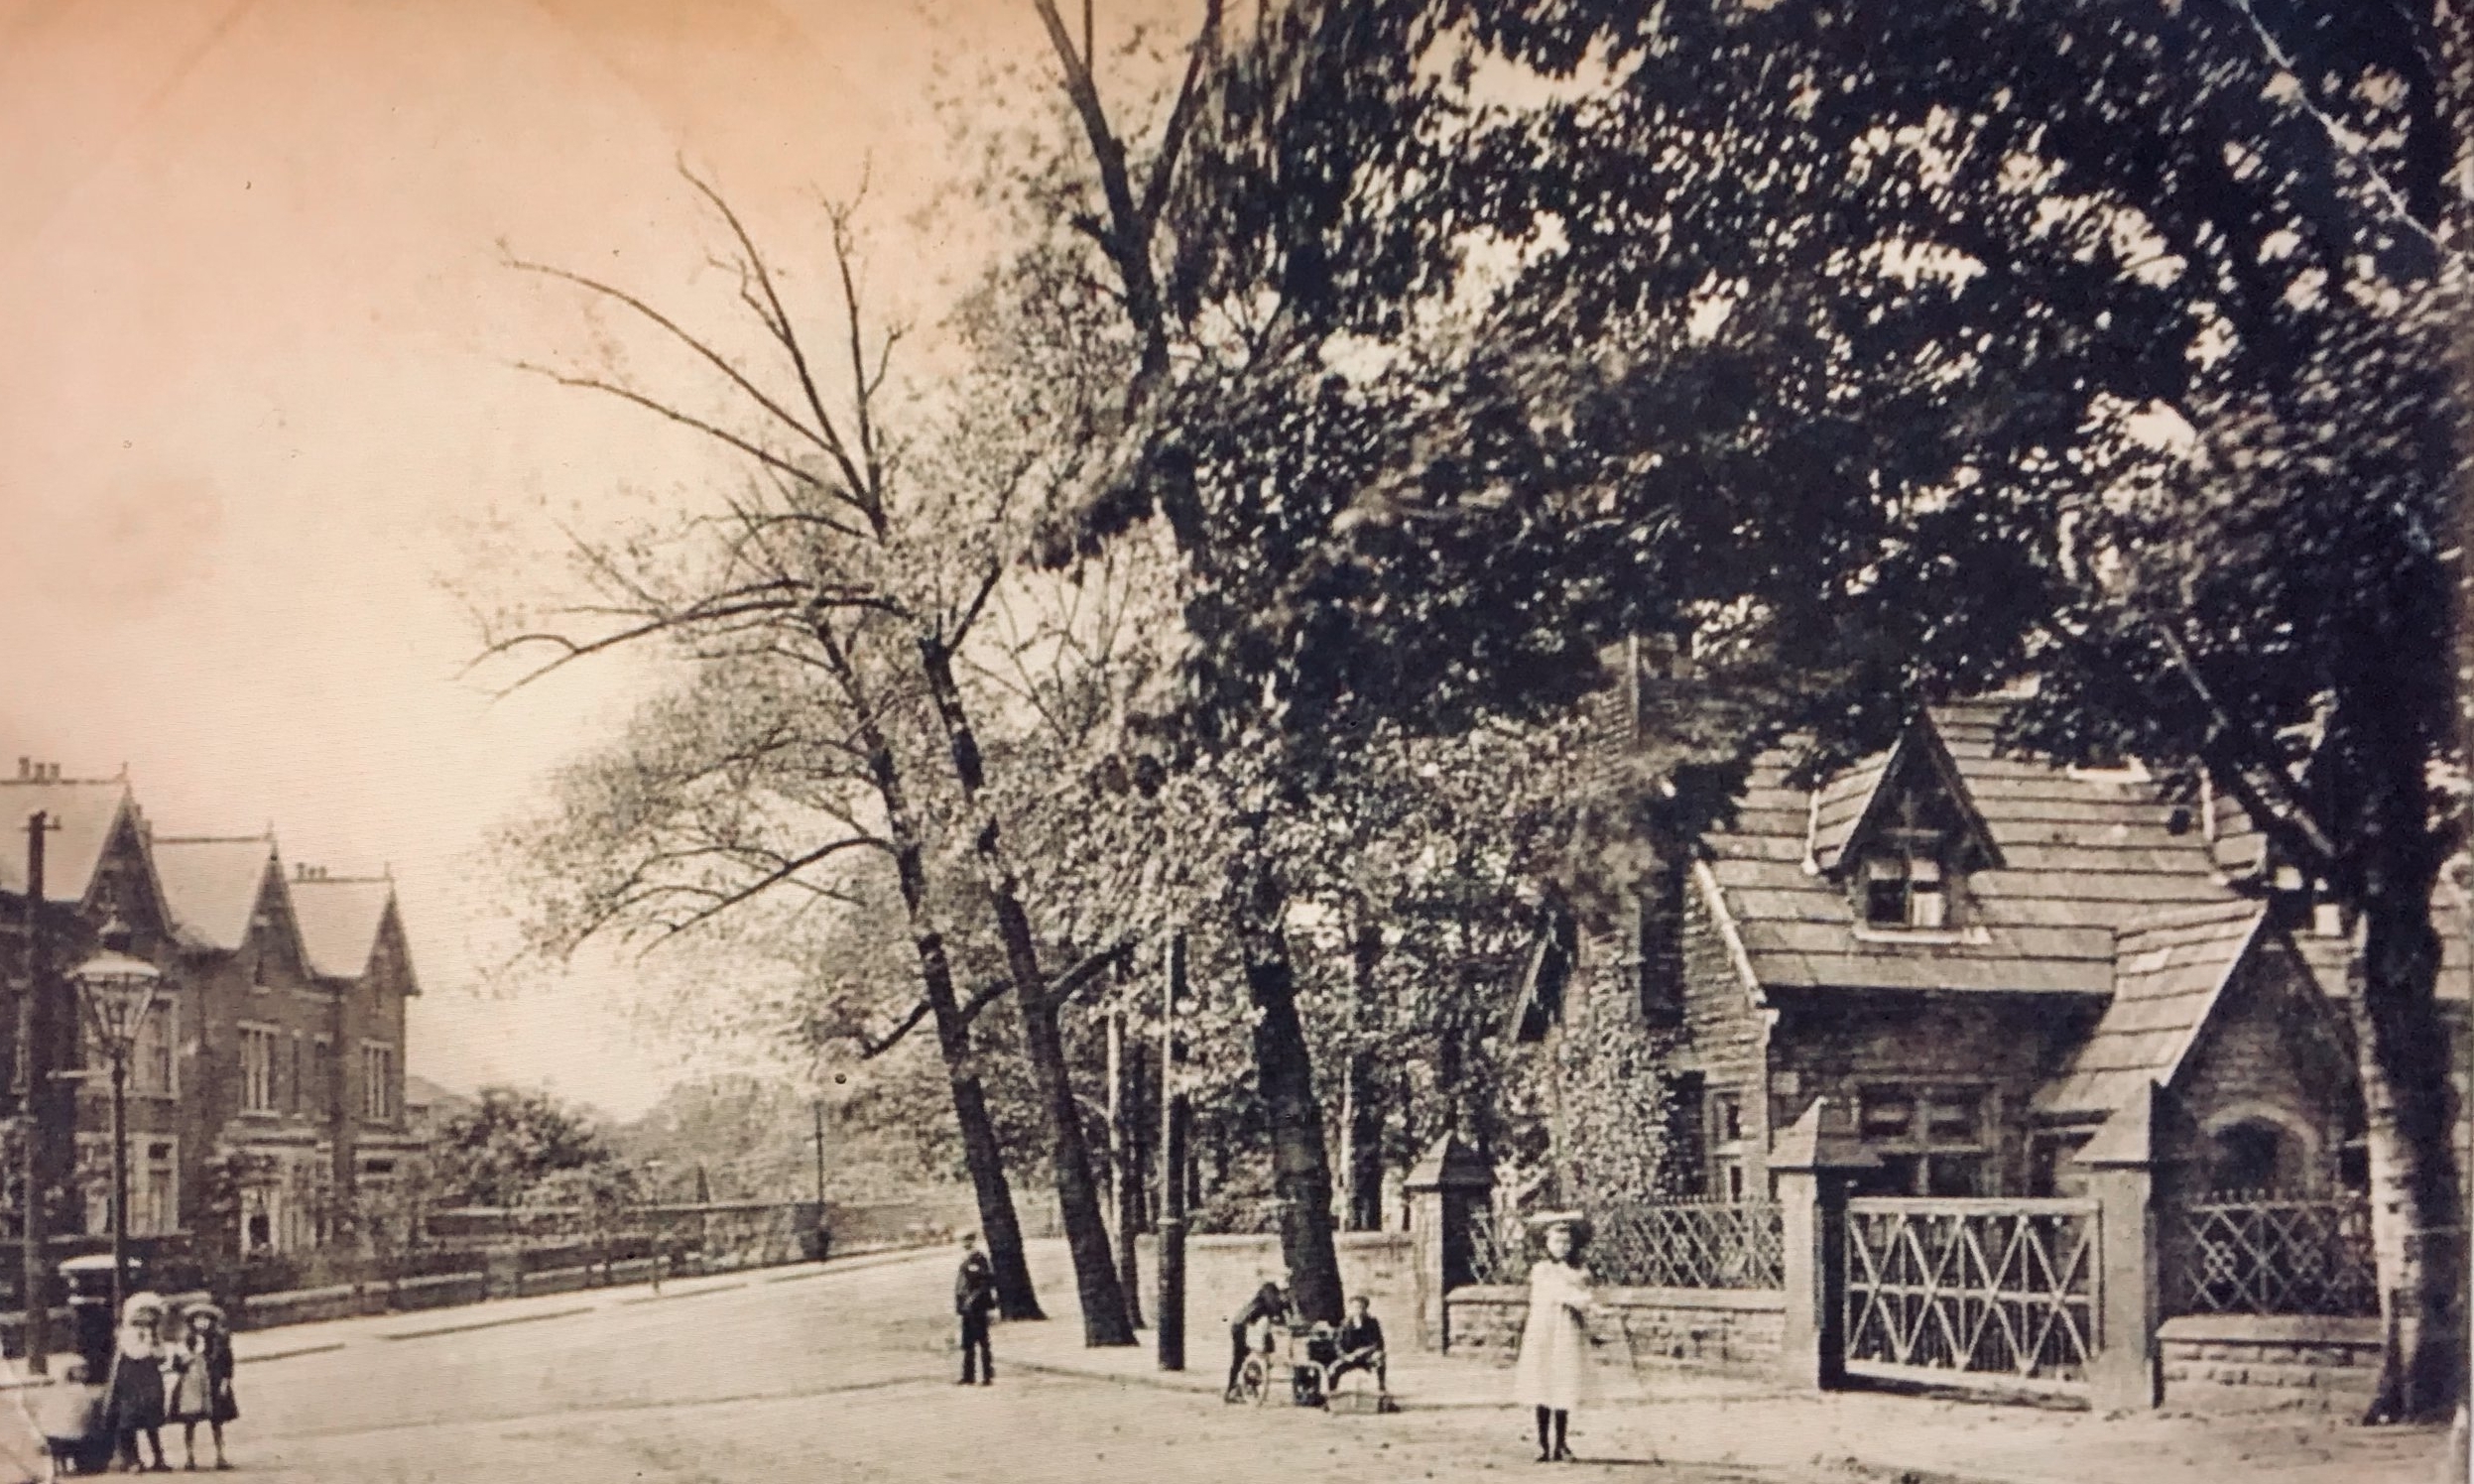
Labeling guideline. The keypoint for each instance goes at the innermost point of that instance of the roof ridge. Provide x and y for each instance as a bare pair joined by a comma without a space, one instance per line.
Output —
205,839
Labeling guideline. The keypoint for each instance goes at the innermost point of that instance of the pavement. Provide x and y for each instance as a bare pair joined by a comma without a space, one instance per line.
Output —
1676,1419
845,1371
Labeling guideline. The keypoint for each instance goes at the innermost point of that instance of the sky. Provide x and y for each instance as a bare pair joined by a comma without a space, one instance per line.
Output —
261,416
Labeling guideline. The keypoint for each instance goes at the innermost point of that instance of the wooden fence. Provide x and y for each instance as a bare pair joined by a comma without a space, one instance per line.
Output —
2253,1254
1968,1290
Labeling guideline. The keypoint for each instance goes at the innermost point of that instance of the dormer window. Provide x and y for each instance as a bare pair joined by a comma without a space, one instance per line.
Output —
1905,889
1902,837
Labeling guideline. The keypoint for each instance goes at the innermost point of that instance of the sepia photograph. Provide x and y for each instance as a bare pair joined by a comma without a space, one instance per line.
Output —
1329,741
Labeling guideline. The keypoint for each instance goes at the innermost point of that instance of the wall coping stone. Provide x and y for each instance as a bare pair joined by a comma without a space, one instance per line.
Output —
1345,1241
2269,1329
1747,1301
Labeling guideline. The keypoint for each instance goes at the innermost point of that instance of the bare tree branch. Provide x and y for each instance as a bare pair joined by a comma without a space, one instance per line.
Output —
679,332
778,322
1181,119
626,393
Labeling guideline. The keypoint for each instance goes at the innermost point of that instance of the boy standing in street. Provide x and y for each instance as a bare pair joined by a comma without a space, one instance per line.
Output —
974,1299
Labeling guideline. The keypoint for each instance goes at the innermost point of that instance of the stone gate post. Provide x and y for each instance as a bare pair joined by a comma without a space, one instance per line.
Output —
1815,1160
2126,1373
1450,1192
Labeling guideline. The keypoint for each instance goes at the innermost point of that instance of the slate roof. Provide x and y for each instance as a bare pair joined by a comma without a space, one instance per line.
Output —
2080,856
2170,975
86,812
212,886
339,919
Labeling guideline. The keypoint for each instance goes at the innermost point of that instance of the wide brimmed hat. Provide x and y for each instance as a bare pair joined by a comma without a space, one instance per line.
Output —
195,1311
1546,1221
141,1303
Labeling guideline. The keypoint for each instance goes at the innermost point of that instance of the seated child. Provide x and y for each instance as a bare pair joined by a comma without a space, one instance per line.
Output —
1361,1345
64,1411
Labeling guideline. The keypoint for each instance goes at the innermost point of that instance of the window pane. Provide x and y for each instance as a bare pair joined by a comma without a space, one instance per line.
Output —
1729,1118
1955,1118
1954,1175
1884,904
1927,908
1923,868
1887,1113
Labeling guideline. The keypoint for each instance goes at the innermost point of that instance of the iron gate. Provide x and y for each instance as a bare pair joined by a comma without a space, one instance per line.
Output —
1997,1292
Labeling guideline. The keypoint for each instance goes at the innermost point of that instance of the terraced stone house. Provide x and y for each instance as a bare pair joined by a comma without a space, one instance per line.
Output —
270,1080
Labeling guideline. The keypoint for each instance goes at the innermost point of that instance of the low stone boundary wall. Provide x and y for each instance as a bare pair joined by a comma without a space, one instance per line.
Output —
1721,1329
1222,1271
2248,1359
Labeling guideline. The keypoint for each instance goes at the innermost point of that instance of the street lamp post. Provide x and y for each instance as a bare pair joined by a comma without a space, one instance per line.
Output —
118,992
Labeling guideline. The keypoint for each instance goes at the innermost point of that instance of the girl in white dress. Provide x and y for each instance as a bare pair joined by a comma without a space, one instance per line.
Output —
1553,1369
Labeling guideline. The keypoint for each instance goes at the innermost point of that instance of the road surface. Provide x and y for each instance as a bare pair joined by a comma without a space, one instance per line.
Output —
838,1374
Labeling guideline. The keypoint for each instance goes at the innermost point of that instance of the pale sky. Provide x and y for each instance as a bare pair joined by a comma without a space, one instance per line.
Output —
256,397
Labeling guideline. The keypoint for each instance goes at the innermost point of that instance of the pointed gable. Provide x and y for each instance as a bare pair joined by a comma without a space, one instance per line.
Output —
342,921
2169,976
2075,856
216,887
89,815
1914,785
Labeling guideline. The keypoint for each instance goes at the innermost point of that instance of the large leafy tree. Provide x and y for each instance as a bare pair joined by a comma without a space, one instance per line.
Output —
513,1146
819,608
1874,352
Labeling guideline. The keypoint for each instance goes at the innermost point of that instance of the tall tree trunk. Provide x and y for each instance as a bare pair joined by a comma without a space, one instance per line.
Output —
999,1227
1284,1076
2417,1209
1104,1316
1364,1094
1125,1175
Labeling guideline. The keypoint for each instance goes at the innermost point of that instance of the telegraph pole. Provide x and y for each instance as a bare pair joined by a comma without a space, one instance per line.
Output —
820,1106
1172,1170
36,1279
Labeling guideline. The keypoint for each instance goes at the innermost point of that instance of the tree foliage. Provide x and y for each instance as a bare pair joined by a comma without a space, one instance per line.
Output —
1871,353
514,1146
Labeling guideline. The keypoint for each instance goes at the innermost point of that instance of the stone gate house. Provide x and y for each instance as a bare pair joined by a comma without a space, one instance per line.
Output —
1985,957
1955,968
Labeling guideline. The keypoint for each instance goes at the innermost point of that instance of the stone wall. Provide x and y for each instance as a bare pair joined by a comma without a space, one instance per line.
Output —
1702,1329
2270,1056
2252,1360
1223,1271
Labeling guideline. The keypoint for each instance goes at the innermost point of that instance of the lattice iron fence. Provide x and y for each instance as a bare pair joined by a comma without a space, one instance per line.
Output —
2243,1254
1668,1244
1952,1290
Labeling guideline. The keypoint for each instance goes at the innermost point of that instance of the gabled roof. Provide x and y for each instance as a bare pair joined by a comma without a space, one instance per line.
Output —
340,918
2079,855
2171,974
87,811
422,1093
213,885
1847,809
